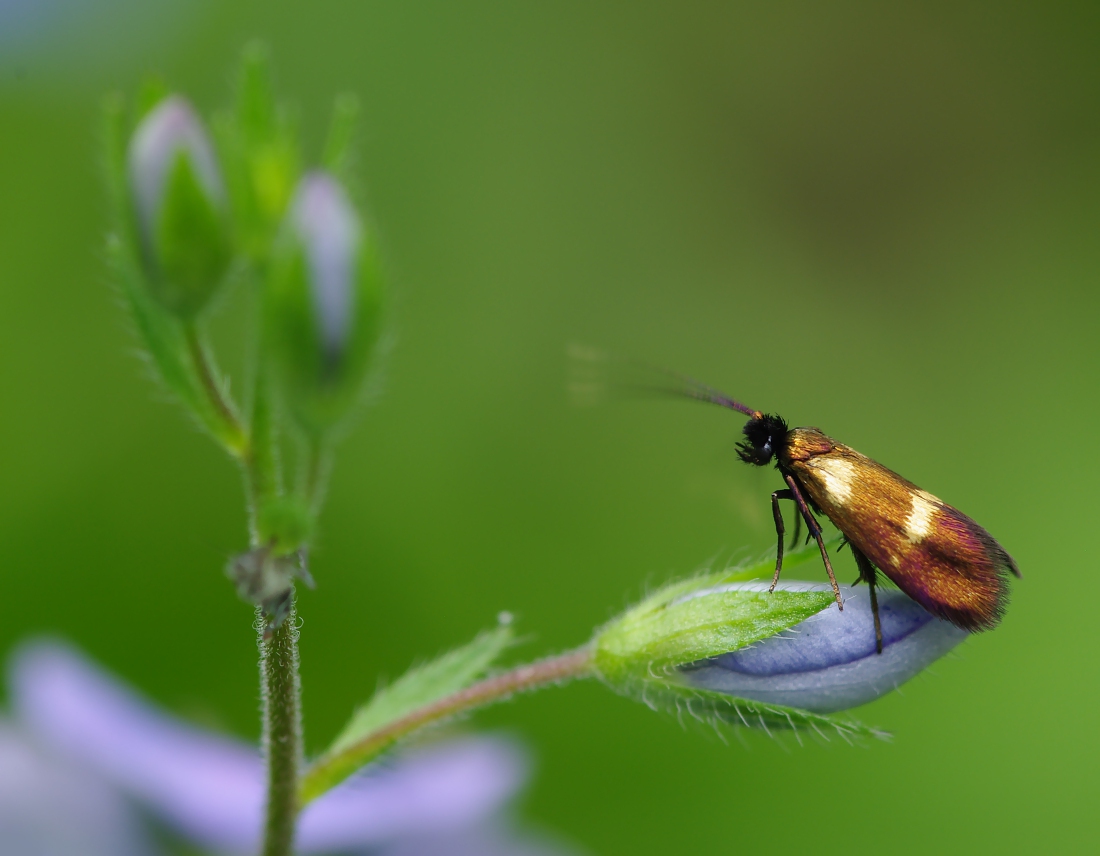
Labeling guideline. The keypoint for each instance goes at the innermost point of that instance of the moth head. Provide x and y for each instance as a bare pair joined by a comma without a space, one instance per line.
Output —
765,436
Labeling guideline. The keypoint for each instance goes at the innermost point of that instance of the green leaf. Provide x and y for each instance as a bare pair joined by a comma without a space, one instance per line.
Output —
375,727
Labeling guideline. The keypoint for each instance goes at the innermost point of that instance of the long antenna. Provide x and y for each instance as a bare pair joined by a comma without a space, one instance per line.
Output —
591,366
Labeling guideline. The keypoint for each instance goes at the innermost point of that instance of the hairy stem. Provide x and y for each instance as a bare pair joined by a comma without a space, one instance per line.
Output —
260,463
279,682
330,769
282,731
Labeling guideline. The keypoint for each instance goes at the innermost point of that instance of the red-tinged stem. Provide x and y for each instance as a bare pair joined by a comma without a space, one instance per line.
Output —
232,433
331,769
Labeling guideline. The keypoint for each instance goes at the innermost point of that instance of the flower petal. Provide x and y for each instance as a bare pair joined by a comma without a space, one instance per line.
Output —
208,787
829,662
438,790
211,788
48,807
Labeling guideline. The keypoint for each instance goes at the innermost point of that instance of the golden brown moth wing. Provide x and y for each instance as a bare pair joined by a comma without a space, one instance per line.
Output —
931,551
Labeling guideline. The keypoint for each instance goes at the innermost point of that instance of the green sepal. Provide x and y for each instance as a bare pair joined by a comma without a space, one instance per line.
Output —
364,738
257,107
263,154
654,641
165,339
673,626
192,249
161,334
708,706
153,90
339,154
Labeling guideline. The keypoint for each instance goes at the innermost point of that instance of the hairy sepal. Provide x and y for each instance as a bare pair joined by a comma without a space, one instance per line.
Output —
676,626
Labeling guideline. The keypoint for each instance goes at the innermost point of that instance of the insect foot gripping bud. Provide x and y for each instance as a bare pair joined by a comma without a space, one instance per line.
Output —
179,207
722,648
324,305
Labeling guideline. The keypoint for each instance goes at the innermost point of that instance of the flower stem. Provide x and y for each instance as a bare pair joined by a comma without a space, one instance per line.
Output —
280,685
330,769
282,731
314,473
228,428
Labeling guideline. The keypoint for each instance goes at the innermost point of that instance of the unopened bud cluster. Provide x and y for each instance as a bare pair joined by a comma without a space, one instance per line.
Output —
323,290
198,211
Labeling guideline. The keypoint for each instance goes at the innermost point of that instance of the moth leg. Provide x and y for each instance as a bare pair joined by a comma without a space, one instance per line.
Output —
815,531
779,531
797,528
867,575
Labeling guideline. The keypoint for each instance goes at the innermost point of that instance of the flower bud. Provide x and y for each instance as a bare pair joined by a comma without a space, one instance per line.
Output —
179,207
324,304
721,646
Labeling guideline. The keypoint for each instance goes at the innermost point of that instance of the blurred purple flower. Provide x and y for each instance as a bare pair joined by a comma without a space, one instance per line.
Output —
51,807
828,662
86,742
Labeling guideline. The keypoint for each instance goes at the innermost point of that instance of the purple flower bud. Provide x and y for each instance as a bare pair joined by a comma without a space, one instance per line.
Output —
179,206
828,662
169,131
329,230
324,303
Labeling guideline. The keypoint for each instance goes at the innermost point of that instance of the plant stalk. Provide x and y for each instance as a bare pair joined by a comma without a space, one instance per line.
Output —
329,770
280,685
282,731
230,432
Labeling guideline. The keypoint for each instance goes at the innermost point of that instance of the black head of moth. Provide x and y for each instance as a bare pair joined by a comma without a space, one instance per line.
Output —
934,553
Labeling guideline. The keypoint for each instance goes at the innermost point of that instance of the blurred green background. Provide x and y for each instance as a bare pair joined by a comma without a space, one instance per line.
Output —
878,219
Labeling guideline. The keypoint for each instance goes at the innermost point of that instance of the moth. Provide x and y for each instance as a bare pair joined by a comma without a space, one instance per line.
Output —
933,552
